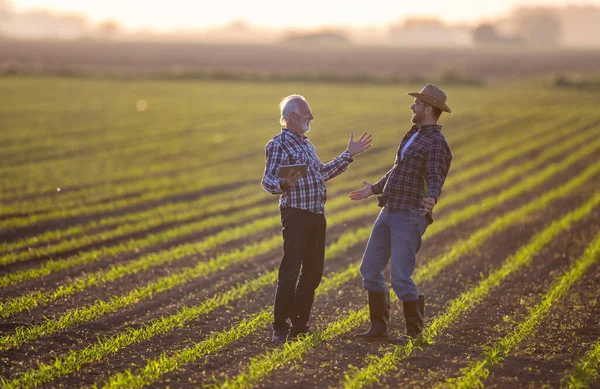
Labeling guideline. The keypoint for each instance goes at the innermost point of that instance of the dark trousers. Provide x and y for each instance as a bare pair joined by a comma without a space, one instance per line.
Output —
301,267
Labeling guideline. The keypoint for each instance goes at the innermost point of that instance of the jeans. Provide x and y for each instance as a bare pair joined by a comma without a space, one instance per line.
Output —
301,267
396,235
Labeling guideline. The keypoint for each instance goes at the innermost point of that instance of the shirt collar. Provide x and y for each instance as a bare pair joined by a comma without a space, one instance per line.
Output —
287,132
427,127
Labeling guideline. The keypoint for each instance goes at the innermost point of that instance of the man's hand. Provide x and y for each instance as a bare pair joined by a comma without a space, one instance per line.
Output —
427,204
363,143
363,193
290,180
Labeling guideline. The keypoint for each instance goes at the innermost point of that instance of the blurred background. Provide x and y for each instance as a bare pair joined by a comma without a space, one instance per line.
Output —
466,41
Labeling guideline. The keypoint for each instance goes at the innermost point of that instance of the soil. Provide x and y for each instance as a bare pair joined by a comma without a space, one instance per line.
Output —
542,360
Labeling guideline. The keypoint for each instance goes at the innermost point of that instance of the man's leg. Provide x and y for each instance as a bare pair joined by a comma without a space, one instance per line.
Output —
405,235
373,264
294,223
406,229
311,275
376,256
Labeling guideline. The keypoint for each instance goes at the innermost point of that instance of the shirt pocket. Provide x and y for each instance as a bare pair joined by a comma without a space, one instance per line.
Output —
297,157
413,153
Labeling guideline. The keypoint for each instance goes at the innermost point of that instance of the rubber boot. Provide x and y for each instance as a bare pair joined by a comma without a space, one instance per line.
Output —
379,312
414,311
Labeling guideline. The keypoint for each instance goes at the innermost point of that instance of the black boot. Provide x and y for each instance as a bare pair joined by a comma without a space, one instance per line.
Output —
414,311
379,309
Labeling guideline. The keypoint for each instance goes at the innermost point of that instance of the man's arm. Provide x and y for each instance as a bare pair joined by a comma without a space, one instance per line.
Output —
438,164
377,187
337,166
275,157
341,162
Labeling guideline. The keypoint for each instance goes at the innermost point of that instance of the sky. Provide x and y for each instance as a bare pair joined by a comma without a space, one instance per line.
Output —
197,14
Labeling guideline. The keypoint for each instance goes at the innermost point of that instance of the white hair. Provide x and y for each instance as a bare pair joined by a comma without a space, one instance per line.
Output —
288,105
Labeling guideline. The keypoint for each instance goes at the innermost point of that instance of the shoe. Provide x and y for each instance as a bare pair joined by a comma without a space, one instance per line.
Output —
414,311
280,335
379,310
297,331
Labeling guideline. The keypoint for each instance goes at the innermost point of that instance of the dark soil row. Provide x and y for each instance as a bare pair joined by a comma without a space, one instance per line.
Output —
468,268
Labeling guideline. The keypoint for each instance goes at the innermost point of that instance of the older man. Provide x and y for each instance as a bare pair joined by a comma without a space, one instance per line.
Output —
302,206
407,192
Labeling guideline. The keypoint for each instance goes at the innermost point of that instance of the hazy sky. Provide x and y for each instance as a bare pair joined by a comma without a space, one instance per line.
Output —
277,13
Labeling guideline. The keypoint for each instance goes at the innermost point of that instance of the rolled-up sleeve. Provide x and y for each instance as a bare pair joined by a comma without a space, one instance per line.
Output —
438,165
275,157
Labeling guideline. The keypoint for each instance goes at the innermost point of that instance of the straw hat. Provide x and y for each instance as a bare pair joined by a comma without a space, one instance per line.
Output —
432,95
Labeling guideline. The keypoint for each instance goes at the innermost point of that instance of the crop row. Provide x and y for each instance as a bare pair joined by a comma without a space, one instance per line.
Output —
146,221
379,365
153,162
364,167
478,371
95,255
261,366
37,298
151,190
76,359
514,217
585,371
180,182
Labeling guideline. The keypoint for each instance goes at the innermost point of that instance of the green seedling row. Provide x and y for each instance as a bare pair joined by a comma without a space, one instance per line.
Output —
474,375
434,267
195,171
52,266
187,212
195,165
585,372
74,360
180,183
173,208
203,206
378,366
261,366
523,186
37,298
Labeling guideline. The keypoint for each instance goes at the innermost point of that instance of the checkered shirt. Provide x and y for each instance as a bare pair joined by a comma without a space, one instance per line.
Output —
310,192
420,174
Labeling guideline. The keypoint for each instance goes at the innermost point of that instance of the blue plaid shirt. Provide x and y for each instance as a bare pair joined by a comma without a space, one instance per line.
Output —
310,192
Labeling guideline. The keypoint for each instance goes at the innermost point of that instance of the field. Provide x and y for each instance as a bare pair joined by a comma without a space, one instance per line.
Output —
356,63
137,248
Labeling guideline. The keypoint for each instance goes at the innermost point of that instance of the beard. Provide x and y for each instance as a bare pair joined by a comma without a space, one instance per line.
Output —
305,127
416,118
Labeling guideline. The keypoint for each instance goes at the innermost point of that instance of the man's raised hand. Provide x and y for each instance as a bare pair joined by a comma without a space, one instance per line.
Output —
363,143
363,193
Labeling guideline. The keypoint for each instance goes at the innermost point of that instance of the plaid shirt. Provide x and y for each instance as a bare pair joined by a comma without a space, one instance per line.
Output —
310,192
420,174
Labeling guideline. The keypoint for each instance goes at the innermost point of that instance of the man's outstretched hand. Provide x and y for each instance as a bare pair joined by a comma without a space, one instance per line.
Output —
363,193
363,143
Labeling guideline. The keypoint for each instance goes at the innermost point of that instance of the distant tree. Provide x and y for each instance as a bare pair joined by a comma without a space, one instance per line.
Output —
317,38
537,26
485,33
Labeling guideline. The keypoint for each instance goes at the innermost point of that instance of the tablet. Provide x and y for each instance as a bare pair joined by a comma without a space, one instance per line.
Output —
284,170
